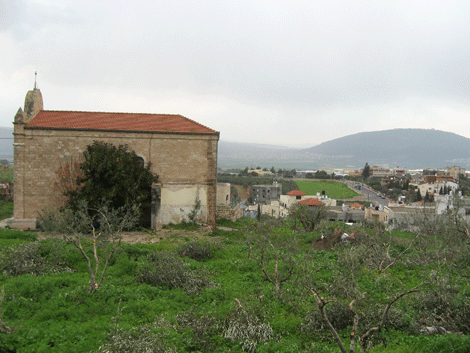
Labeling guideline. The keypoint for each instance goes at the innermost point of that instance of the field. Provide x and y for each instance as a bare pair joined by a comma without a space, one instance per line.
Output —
333,189
207,293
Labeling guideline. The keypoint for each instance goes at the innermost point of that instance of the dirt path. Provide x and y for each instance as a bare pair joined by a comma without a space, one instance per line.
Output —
147,237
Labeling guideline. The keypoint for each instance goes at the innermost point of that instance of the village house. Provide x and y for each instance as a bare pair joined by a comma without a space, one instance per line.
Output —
454,172
181,151
264,194
294,196
438,185
281,207
379,172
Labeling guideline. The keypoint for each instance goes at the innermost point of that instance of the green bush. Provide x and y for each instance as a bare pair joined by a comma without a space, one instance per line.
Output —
164,269
49,220
196,250
247,329
115,175
203,328
6,209
339,315
142,339
36,259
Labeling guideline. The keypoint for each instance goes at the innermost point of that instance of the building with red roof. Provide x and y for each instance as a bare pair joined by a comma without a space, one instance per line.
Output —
296,193
181,151
357,205
311,202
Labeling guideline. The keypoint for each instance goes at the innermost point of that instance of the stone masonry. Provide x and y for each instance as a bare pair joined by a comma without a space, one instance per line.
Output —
186,164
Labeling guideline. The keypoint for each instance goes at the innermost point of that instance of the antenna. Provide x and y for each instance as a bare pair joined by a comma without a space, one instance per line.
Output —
35,79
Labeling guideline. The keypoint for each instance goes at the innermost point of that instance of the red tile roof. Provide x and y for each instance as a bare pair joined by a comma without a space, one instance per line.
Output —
49,119
357,205
296,193
311,202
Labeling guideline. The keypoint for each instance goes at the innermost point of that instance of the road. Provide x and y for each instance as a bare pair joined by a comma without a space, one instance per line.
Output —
368,193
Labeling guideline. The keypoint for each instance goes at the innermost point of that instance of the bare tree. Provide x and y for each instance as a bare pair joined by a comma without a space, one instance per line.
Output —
372,257
102,226
275,253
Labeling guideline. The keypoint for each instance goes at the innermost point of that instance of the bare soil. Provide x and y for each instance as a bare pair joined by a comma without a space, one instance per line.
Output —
148,237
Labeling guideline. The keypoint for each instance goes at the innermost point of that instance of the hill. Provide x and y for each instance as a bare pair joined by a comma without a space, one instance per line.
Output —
406,148
6,143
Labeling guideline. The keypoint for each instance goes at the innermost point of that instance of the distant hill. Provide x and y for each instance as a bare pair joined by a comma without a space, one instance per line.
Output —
241,155
6,143
406,148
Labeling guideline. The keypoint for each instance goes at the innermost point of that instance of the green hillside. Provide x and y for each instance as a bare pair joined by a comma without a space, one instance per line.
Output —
208,292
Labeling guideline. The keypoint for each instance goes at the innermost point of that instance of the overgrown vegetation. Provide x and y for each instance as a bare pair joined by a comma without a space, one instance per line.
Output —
6,209
111,174
263,288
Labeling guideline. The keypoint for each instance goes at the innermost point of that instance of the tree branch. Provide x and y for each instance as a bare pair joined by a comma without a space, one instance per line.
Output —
378,328
321,302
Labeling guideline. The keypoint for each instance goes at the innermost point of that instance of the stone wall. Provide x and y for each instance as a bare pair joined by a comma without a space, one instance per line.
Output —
186,163
229,213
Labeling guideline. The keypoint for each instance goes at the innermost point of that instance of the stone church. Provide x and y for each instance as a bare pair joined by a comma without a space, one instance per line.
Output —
181,151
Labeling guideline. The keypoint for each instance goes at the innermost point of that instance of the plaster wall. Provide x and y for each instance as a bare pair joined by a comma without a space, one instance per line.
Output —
223,194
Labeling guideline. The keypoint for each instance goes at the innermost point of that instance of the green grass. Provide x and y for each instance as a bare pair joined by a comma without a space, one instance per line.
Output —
333,189
54,313
6,209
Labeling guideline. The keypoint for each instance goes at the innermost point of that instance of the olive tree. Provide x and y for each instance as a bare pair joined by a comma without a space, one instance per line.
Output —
361,267
102,226
276,253
111,173
309,217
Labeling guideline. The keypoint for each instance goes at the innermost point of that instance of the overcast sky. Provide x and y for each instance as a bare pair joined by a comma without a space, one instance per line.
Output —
277,72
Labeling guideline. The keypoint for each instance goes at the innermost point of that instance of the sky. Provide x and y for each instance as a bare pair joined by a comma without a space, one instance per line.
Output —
294,73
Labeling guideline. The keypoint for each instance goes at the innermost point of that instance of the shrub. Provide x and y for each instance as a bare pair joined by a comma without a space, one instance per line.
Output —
164,269
6,209
248,329
339,315
4,329
203,329
49,220
198,251
141,339
439,308
35,259
114,174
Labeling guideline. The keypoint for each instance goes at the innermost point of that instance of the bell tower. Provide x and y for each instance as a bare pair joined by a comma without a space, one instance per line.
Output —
33,103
